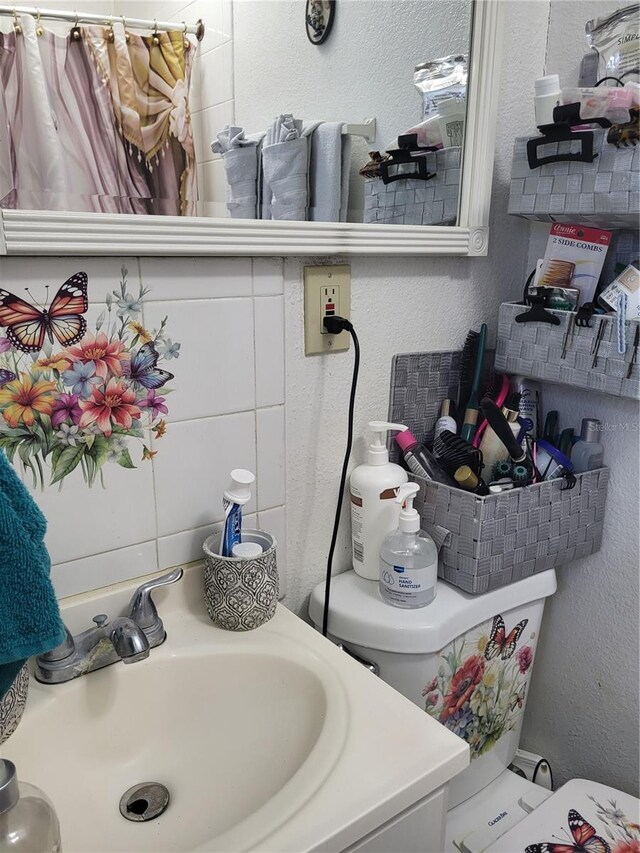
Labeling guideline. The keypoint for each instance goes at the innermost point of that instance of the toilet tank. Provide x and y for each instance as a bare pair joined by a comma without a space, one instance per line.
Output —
465,659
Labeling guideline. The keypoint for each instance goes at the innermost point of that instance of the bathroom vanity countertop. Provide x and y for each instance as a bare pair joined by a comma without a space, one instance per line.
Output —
377,755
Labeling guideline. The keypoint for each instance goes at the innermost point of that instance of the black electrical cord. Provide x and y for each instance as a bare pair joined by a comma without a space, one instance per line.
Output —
335,325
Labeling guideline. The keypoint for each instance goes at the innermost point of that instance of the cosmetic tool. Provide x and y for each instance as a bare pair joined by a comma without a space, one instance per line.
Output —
452,452
634,355
500,426
473,406
597,342
497,390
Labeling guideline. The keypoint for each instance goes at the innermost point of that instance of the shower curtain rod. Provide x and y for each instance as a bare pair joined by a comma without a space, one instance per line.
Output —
89,18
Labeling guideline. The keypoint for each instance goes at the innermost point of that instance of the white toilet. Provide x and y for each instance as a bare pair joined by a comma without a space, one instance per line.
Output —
467,661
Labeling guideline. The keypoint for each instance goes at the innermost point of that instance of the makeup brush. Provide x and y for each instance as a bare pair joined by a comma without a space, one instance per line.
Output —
473,406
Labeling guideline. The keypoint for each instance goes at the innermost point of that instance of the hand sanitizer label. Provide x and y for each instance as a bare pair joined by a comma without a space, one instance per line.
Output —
407,587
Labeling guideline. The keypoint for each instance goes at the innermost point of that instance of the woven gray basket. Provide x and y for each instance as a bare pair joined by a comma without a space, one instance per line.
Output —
538,349
605,192
488,542
415,202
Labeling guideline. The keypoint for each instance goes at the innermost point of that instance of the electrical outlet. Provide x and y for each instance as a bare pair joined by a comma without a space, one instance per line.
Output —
327,293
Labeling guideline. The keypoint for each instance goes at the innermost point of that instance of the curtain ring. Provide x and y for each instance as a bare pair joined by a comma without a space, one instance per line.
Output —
156,38
16,26
111,35
39,28
127,36
186,42
76,35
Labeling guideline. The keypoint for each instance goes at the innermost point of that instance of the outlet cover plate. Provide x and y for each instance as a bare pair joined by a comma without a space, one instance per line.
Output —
321,282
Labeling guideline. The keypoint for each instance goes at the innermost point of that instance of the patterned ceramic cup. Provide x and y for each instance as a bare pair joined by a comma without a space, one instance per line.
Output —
241,594
12,704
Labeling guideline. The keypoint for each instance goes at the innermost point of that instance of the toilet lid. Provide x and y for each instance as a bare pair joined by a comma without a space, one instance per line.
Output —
357,613
582,815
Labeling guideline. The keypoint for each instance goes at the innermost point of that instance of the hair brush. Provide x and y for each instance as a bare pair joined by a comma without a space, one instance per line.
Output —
452,452
473,404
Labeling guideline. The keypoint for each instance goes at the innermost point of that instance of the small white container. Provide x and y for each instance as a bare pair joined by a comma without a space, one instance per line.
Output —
588,453
548,96
451,116
445,421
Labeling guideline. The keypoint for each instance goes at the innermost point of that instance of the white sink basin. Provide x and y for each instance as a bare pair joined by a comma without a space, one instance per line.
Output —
270,740
240,739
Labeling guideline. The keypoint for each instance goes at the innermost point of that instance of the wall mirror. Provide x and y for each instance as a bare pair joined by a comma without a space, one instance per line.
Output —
258,83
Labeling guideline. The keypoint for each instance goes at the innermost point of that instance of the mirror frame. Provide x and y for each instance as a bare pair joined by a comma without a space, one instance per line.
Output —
29,233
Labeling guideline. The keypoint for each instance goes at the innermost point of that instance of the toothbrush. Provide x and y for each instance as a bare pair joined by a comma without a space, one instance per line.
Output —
473,406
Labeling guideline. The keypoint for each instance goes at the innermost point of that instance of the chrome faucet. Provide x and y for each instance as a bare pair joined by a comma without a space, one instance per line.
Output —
127,638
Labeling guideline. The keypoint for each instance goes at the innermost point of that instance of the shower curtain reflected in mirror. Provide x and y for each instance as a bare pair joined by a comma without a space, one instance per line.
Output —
97,124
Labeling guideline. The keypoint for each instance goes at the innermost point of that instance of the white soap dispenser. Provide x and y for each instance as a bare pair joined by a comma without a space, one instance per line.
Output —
408,558
374,512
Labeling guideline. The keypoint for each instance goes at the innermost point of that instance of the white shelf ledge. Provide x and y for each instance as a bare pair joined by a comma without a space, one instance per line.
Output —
54,233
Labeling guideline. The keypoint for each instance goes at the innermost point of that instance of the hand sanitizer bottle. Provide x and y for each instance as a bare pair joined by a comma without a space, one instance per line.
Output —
28,821
408,558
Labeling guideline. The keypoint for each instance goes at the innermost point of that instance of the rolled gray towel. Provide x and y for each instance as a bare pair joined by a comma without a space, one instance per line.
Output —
241,158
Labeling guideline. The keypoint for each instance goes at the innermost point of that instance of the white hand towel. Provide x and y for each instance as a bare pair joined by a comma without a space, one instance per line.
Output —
329,173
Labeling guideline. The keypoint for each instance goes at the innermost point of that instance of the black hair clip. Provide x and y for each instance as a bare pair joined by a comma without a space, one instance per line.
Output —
569,481
407,161
565,117
537,313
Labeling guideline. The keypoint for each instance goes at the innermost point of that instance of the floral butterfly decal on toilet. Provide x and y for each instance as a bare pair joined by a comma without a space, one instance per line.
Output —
481,683
584,836
623,832
77,399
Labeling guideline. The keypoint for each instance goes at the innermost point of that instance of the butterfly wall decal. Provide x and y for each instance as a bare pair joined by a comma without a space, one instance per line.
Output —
27,324
499,642
142,368
584,836
6,376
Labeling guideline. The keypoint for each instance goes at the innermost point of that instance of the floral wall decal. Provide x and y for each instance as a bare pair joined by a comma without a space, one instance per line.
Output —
71,397
480,686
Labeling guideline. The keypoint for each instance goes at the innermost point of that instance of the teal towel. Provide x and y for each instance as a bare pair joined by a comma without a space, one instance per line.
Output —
30,621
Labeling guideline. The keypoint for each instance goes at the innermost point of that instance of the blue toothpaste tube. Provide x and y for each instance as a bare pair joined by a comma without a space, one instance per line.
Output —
234,498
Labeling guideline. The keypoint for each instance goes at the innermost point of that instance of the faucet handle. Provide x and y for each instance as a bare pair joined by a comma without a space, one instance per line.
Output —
143,610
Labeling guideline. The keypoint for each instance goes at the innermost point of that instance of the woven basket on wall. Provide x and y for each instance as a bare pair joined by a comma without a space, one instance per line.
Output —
539,350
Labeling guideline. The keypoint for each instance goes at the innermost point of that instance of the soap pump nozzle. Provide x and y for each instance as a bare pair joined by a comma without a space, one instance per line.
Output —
409,519
378,453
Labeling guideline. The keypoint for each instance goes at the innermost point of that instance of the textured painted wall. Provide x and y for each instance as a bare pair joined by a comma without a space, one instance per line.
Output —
398,305
583,705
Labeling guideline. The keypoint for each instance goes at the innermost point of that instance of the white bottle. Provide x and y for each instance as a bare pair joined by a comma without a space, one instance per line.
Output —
588,452
451,115
445,421
529,390
548,96
408,558
374,512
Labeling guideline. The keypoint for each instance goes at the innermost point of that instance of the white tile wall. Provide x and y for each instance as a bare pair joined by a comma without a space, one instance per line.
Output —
227,410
